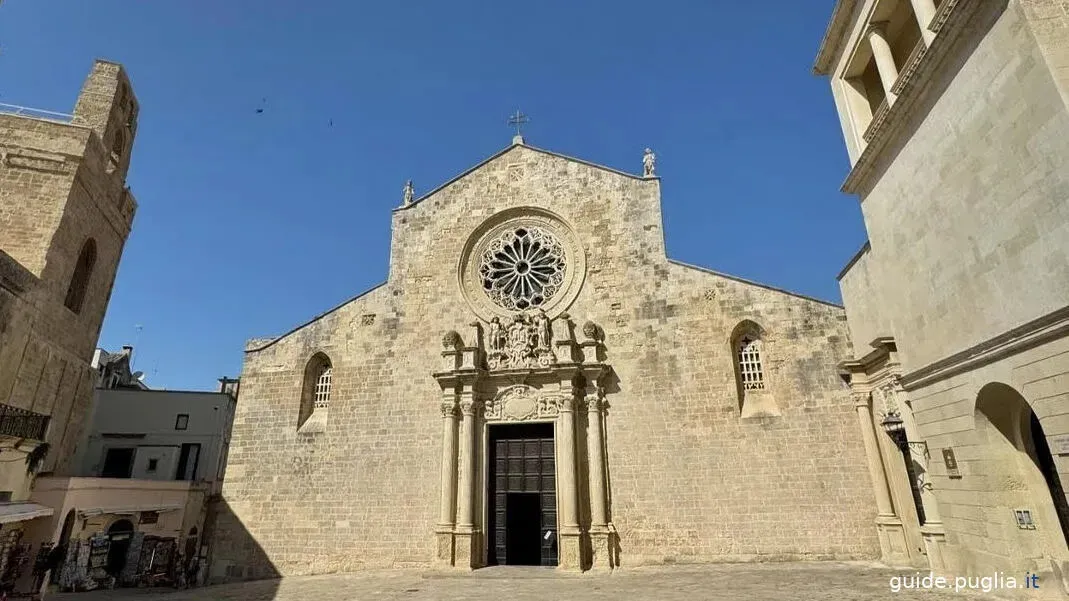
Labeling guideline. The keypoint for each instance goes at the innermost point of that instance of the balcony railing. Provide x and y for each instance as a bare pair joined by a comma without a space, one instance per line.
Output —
25,111
905,75
21,423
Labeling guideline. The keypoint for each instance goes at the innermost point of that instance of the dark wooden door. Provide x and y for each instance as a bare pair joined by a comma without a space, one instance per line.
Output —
522,466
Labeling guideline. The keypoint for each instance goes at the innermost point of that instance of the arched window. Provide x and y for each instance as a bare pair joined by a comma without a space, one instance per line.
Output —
315,392
83,271
748,353
118,145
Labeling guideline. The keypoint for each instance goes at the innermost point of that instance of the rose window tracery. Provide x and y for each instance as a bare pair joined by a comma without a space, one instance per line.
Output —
523,268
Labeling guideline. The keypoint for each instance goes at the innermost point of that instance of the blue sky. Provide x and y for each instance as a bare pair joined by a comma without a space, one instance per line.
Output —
250,224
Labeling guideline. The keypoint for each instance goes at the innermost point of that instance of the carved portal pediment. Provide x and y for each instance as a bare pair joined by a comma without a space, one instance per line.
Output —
523,342
520,403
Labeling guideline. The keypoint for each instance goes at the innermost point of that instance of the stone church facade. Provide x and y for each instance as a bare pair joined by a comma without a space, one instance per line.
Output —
538,383
955,115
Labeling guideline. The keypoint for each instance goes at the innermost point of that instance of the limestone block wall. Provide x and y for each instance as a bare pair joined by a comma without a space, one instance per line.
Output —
969,222
867,313
977,508
690,479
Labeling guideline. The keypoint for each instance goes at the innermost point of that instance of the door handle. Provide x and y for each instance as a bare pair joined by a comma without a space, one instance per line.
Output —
549,533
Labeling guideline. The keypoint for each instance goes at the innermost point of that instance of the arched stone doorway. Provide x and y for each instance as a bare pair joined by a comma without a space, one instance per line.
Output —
62,547
1022,469
119,535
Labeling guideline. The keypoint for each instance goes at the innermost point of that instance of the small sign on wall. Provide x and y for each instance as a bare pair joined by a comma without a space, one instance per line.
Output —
1059,445
951,463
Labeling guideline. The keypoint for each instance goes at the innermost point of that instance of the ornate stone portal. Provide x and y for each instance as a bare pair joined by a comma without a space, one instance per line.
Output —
529,368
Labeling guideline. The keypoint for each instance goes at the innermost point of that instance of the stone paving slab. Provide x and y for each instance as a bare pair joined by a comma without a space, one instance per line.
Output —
773,582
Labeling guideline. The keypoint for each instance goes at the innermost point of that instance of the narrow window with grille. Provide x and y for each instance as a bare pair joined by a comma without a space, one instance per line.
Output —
749,357
322,387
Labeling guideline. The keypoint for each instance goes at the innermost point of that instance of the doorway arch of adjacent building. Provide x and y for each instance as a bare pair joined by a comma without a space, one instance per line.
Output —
1017,446
120,534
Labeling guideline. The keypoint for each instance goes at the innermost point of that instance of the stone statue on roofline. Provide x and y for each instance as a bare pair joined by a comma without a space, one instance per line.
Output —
649,164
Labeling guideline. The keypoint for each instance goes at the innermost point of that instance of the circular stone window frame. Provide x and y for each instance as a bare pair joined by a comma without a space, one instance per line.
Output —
471,282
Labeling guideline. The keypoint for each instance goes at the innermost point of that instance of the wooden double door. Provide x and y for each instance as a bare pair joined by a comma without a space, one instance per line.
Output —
522,495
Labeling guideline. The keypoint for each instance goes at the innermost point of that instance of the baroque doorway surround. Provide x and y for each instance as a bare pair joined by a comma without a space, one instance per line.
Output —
530,369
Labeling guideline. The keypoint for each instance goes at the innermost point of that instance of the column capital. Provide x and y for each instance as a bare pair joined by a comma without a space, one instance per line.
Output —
861,399
594,401
876,27
469,405
449,409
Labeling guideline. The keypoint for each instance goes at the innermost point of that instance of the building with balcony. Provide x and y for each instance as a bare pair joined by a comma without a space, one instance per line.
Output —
137,508
956,123
65,214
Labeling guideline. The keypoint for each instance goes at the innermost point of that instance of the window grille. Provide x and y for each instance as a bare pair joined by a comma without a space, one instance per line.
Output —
322,388
749,356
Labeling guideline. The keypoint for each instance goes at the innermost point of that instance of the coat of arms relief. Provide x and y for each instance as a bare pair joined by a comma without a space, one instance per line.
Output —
523,342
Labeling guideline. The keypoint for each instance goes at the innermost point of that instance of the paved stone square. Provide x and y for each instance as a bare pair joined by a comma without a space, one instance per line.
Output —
774,581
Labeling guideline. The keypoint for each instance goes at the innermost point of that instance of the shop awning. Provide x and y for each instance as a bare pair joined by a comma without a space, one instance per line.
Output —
126,510
20,512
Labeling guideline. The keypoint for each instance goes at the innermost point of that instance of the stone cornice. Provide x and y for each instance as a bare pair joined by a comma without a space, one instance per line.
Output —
883,354
949,24
866,247
833,36
1032,334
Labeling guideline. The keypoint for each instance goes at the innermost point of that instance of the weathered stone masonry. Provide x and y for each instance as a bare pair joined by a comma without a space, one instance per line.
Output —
691,471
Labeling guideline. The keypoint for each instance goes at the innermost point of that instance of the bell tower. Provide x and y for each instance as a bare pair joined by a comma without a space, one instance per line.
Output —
107,105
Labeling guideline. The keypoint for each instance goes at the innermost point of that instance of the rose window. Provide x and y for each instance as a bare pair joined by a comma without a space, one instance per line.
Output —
523,268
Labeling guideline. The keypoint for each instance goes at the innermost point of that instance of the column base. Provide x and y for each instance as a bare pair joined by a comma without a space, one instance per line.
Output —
893,545
445,547
603,541
935,541
569,551
467,550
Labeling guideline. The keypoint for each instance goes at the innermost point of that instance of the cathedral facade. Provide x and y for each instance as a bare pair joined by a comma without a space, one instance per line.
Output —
538,383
